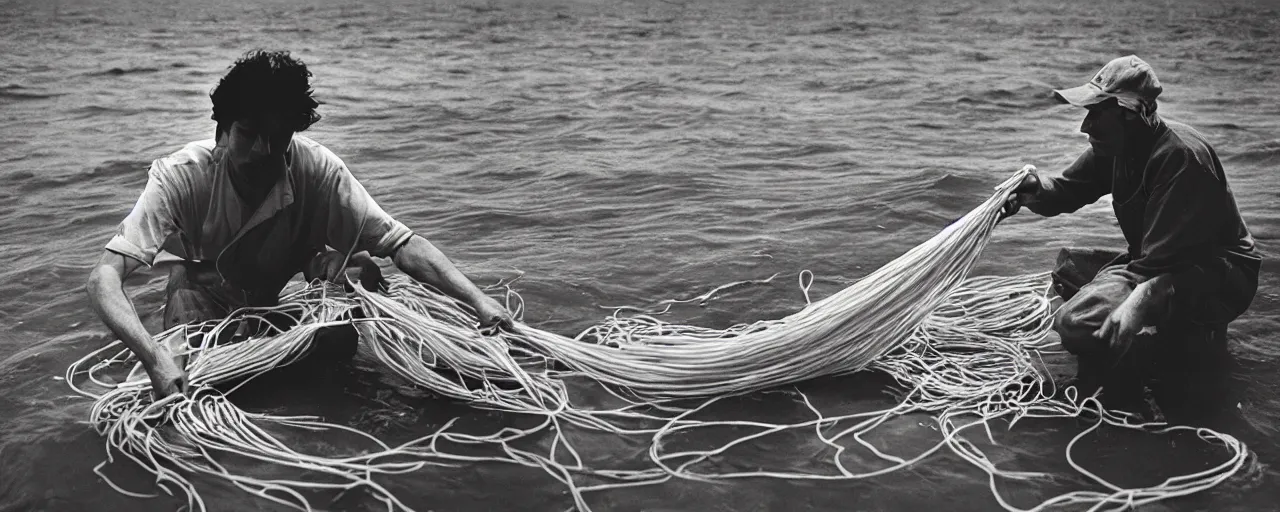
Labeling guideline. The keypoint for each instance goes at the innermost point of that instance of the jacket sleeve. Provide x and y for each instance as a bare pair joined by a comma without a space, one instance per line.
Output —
1080,184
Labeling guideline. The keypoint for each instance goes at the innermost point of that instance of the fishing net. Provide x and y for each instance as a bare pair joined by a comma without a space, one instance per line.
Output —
962,349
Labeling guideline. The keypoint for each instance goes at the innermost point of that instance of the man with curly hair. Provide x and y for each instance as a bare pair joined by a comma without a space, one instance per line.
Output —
248,210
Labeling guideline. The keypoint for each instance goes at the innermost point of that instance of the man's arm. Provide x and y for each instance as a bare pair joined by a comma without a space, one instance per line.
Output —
355,222
1080,184
424,262
108,299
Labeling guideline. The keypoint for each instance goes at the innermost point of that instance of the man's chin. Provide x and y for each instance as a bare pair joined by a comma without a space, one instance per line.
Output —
255,165
1102,150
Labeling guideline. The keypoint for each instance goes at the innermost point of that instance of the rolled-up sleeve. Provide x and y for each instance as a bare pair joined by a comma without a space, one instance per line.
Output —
150,223
355,219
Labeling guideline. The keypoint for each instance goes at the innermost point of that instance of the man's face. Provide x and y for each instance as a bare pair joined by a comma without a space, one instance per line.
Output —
258,143
1105,126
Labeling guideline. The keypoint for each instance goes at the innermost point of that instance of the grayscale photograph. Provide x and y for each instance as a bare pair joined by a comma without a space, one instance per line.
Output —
640,255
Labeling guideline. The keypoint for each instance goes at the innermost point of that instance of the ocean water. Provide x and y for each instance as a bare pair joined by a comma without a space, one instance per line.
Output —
625,152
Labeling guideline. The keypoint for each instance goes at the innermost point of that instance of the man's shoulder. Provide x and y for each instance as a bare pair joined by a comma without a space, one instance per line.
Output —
193,158
314,159
1183,145
1182,137
309,149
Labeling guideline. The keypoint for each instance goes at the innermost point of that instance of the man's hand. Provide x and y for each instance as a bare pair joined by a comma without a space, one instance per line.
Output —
167,372
1120,327
1024,193
327,266
425,263
167,377
1138,314
493,316
107,297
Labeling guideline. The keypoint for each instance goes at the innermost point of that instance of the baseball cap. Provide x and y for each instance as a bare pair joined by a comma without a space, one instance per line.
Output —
1128,78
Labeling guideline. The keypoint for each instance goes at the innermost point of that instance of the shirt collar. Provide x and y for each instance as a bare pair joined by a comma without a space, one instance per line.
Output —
1145,143
278,198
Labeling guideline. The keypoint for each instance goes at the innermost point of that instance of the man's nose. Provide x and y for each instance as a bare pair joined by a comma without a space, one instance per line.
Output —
1090,123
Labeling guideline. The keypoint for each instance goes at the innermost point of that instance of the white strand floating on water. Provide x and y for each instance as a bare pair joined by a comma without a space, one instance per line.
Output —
963,349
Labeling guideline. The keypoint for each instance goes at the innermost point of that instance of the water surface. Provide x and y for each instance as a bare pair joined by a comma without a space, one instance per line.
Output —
625,152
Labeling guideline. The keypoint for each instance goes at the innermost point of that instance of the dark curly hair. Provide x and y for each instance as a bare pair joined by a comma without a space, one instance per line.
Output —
260,80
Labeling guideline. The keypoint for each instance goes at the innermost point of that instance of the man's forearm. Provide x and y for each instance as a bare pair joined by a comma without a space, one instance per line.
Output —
1052,199
1081,183
424,262
107,297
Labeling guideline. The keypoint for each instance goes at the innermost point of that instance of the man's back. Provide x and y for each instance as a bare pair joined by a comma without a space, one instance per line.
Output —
1187,209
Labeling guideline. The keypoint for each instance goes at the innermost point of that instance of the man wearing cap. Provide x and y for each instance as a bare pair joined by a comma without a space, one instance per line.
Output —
1190,267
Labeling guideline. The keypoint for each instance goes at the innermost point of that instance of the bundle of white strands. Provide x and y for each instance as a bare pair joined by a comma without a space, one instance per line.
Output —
962,350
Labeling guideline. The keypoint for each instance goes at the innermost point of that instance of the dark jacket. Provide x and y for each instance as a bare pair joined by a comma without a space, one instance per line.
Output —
1170,196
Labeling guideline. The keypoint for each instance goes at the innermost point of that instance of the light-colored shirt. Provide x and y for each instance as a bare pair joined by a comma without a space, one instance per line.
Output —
189,208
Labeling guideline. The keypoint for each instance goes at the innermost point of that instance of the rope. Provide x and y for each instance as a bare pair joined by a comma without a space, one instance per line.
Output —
962,350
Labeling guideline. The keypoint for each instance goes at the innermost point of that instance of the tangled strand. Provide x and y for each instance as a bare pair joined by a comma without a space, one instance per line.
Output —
962,350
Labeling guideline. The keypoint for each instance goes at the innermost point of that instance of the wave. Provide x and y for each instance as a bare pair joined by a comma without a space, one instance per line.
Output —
797,151
118,168
17,92
132,172
1264,152
846,27
639,88
1026,96
125,71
